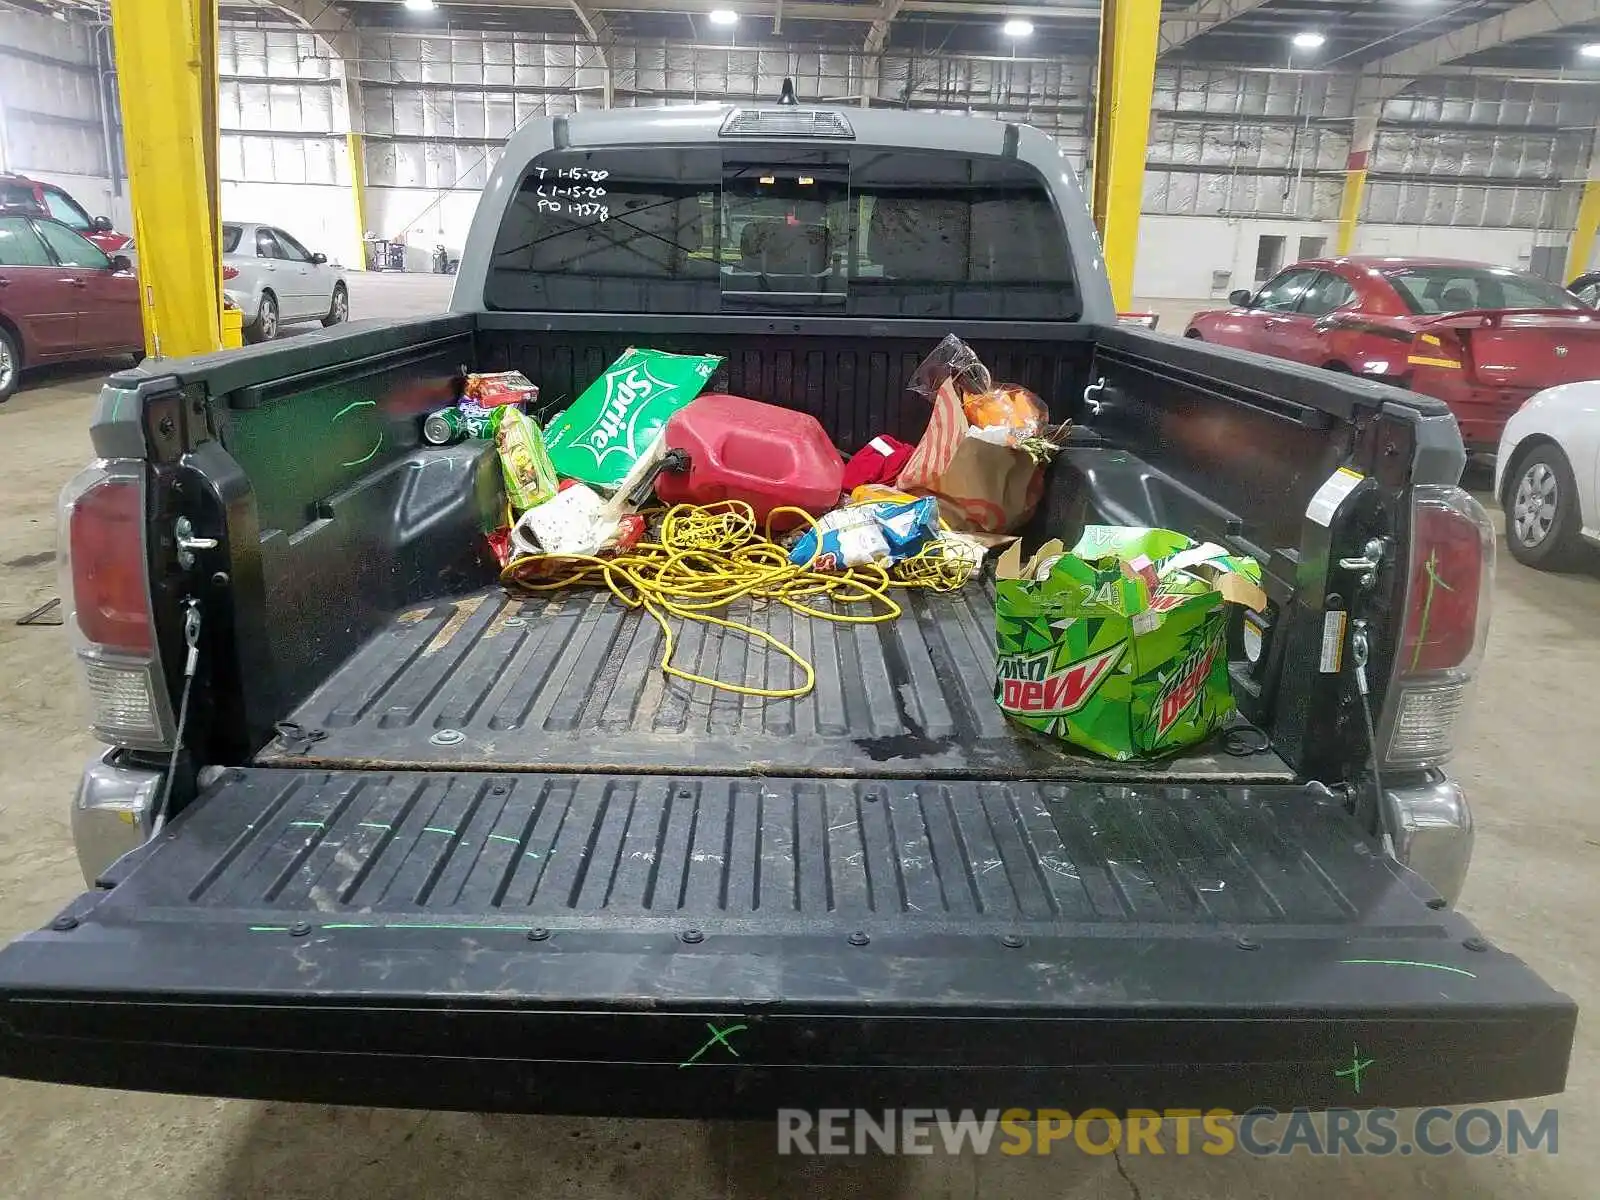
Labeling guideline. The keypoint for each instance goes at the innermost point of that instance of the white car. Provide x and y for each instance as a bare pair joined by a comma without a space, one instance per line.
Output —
275,281
1545,476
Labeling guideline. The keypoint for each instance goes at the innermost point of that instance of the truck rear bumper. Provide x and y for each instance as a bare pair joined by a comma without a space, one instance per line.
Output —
593,1022
700,946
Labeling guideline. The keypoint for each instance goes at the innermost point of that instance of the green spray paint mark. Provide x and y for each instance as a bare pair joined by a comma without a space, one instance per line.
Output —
305,824
374,825
421,925
1431,567
438,829
1353,1071
269,929
502,837
368,456
378,445
1405,962
356,404
721,1036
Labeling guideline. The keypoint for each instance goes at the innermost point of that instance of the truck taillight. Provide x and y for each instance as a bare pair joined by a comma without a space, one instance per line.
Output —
105,587
1446,621
230,272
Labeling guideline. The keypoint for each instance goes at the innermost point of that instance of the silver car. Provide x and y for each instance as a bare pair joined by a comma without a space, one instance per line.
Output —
275,281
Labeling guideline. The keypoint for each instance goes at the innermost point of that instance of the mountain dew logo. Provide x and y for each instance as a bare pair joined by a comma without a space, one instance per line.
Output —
1030,688
1185,686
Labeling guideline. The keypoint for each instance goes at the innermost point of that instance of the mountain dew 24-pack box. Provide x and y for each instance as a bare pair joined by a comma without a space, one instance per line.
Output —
1120,644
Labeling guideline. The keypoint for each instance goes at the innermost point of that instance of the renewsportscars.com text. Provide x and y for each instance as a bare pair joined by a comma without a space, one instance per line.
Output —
1259,1132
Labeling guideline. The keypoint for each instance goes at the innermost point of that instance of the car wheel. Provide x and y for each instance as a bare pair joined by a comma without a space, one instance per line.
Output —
1193,335
10,364
339,310
265,327
1541,505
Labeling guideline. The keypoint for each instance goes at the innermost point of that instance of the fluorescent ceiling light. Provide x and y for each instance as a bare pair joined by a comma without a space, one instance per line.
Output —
1590,50
724,16
1017,29
420,5
1309,40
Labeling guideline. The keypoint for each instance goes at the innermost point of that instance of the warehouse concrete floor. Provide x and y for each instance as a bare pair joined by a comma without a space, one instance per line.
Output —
1534,889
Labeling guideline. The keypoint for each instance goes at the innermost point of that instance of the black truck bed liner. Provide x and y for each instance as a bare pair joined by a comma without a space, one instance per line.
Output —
552,942
371,847
570,682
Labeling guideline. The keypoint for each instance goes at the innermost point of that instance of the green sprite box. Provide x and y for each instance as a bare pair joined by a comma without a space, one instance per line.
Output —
1120,645
618,416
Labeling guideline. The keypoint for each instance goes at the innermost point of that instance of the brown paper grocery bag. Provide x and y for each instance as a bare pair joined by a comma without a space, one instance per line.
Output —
981,487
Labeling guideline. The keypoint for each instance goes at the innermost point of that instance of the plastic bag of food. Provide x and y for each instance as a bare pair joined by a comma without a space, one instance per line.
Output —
868,492
951,359
500,544
574,522
857,534
530,478
1002,414
1006,407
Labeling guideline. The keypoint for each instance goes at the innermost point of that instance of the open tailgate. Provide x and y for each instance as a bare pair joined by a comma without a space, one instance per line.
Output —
659,945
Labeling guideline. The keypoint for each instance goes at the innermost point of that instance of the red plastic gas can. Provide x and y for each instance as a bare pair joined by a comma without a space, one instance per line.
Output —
743,449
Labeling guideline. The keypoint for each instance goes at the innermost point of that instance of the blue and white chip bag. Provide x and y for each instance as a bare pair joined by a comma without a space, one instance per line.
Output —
883,532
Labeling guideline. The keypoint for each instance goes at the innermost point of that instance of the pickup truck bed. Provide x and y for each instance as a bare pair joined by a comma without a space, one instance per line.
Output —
423,939
885,894
569,682
433,846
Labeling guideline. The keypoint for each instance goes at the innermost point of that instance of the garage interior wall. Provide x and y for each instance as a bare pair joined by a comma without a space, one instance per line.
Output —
1481,167
1464,166
51,113
282,158
1473,166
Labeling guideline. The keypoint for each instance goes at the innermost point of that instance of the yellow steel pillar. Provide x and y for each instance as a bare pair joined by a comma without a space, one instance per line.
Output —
166,56
348,49
1588,227
1362,139
1127,72
356,151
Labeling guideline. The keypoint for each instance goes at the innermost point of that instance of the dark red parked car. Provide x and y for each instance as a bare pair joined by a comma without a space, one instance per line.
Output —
19,194
61,297
1481,338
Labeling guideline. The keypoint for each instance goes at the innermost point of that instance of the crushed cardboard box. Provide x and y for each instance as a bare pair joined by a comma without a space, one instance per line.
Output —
1120,644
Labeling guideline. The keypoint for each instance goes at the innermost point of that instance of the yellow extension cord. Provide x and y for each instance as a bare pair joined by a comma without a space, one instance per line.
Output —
711,555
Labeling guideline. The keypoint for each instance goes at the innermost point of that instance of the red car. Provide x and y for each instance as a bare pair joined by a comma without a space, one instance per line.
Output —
1482,339
60,298
18,194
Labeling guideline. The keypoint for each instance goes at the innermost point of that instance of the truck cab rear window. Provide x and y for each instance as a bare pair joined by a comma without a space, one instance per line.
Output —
751,229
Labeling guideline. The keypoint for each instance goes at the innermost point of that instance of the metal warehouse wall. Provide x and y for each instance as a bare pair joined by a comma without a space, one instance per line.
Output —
1453,151
50,113
1233,154
1240,146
